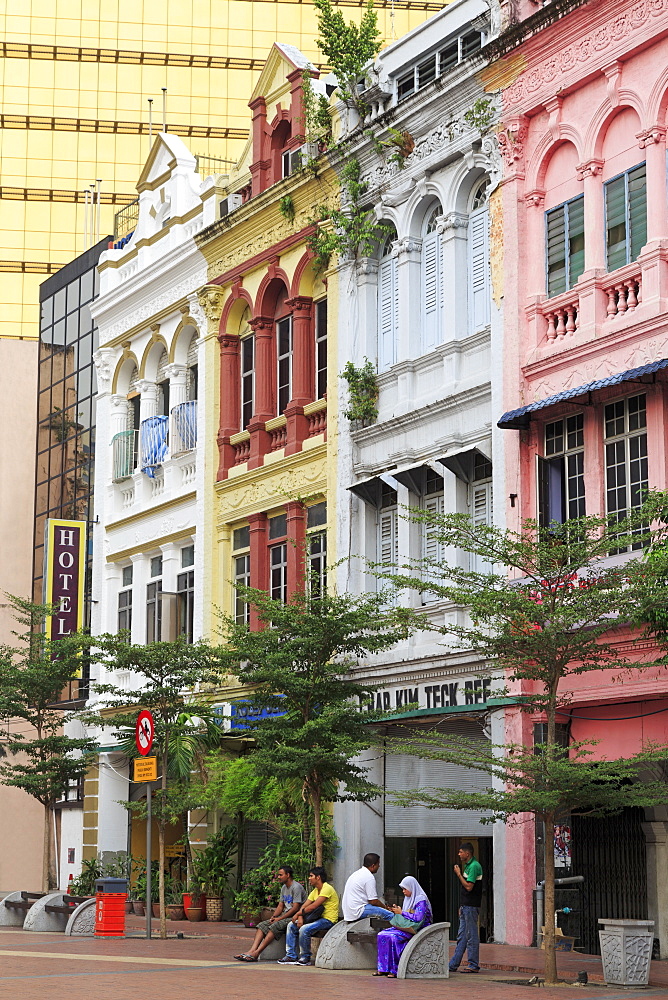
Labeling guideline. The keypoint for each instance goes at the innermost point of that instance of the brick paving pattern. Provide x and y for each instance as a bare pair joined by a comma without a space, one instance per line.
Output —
35,966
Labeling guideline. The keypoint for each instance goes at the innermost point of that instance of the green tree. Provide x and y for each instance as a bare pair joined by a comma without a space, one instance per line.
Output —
549,612
43,759
296,670
166,675
348,48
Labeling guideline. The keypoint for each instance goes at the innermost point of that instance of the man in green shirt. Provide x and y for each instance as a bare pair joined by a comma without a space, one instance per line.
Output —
469,873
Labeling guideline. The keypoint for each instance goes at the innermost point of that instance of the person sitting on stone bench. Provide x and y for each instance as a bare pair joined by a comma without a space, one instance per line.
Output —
324,899
360,896
293,895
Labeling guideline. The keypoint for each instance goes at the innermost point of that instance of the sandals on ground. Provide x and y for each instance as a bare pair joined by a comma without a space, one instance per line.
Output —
379,973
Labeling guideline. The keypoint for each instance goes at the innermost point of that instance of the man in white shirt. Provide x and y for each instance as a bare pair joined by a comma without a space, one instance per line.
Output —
360,896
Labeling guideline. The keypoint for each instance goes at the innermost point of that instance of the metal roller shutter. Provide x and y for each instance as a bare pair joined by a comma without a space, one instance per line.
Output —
403,771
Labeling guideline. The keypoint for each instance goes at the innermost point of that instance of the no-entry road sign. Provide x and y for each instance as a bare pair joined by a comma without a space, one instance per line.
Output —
144,732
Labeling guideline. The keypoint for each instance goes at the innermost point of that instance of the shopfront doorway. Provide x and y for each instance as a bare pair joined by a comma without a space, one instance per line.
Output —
431,860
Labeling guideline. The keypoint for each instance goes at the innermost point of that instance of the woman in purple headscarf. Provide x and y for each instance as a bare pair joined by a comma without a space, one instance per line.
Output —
391,942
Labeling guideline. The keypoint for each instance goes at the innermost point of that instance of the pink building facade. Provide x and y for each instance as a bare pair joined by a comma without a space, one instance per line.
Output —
585,386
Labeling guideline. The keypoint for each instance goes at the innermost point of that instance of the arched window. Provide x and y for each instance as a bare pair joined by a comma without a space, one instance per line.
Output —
247,359
478,259
387,305
192,366
162,382
283,353
432,280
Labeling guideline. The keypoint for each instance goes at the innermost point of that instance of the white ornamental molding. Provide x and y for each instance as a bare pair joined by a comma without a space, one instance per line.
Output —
152,307
104,368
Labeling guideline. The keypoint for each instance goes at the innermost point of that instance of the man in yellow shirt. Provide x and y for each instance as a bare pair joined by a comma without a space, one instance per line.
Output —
323,898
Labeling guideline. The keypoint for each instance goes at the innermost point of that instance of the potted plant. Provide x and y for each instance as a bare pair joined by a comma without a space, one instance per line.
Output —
174,901
251,898
217,863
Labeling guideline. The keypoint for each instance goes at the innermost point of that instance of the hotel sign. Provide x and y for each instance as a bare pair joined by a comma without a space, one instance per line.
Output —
64,575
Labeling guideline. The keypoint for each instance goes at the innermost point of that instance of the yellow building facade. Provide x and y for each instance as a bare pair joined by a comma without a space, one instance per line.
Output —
271,362
75,80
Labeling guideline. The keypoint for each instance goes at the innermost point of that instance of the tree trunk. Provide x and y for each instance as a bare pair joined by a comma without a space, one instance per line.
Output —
46,852
317,827
550,950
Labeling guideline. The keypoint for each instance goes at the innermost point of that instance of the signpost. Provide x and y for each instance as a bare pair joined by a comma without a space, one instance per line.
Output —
144,733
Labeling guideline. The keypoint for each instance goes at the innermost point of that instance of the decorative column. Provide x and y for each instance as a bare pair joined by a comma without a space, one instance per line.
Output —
592,300
296,519
594,214
366,269
265,381
260,166
230,388
653,258
653,141
408,252
259,559
211,299
453,228
303,372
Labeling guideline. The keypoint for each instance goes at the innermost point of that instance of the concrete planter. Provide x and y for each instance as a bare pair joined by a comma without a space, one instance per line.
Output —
626,951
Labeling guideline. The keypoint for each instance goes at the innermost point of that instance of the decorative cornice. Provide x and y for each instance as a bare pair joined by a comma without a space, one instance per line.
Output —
534,199
104,368
620,27
592,168
656,134
437,139
511,138
405,246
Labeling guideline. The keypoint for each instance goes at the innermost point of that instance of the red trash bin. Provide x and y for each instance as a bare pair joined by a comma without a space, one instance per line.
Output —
110,907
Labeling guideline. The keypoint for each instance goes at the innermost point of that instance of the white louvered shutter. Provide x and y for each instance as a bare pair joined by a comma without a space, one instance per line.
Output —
431,291
387,313
479,290
191,358
387,543
432,548
481,513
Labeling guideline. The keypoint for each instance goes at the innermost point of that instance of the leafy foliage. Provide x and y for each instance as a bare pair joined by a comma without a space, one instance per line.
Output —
166,673
296,667
549,612
362,392
480,115
348,48
42,759
353,228
317,118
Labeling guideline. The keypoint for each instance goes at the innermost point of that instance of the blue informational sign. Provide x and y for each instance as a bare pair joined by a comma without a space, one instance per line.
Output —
243,714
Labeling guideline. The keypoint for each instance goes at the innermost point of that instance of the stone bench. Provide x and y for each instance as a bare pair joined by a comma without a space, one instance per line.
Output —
353,946
276,948
82,921
48,914
16,906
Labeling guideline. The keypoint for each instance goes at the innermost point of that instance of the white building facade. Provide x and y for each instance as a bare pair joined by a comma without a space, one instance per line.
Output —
148,566
422,310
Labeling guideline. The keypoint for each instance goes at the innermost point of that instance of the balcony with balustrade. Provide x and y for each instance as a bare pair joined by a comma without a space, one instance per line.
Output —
601,304
158,461
275,434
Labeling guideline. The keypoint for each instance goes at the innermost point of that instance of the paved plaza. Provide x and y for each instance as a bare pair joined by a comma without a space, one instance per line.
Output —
34,966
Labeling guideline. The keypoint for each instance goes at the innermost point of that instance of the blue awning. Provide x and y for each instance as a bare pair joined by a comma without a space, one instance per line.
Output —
516,419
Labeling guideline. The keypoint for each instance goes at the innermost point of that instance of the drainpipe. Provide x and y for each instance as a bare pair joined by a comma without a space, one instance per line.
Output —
540,898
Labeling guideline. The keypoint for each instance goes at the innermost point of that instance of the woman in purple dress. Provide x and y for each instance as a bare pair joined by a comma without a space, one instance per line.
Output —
391,942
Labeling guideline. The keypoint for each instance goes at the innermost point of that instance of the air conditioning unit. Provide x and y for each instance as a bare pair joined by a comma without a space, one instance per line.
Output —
300,156
230,204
